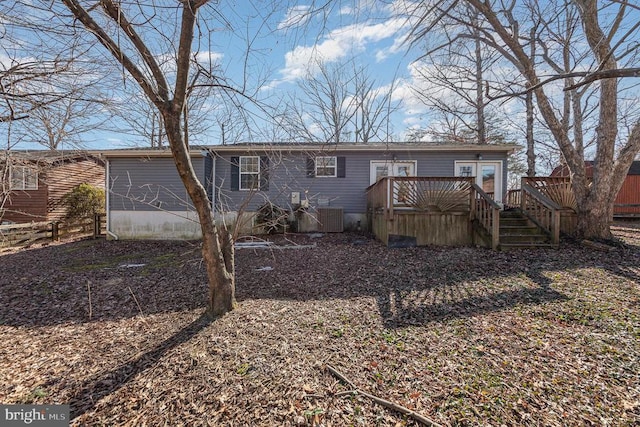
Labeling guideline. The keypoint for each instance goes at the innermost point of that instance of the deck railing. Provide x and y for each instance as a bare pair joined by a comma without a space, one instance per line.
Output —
513,199
543,211
556,188
487,213
435,194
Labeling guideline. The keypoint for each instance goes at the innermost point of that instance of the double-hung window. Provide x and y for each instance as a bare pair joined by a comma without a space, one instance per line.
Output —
24,178
326,167
249,173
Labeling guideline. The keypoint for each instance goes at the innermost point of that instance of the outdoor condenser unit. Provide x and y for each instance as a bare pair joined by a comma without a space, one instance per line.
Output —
330,220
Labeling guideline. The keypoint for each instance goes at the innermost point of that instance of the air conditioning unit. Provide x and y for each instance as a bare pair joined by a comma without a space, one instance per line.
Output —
330,220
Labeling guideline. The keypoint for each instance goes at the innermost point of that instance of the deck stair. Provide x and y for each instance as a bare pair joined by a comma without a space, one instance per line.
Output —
518,232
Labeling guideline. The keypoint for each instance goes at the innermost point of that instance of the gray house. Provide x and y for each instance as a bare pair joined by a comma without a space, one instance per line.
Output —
323,187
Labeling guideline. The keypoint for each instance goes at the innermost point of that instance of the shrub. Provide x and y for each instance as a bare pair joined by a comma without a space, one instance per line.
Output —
273,218
83,201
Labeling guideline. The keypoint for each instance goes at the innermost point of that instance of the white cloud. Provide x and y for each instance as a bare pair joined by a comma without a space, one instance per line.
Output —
337,45
208,57
296,16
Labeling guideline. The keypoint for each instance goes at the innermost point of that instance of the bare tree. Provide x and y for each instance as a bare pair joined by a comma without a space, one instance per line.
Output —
120,32
373,108
451,80
65,122
341,103
597,44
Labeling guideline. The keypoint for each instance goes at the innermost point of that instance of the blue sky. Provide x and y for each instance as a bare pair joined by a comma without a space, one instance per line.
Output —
268,46
286,42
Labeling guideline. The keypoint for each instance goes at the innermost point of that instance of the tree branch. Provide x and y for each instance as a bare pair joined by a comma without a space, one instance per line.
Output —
115,12
83,16
387,404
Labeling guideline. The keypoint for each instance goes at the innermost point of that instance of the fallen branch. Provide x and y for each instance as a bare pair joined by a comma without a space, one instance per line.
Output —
136,301
598,246
387,404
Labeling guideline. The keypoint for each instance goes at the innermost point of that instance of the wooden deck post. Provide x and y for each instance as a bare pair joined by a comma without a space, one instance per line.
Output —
472,203
495,229
389,199
555,227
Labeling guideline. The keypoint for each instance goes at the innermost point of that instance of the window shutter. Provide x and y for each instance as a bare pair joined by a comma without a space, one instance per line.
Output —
264,173
342,167
235,174
311,167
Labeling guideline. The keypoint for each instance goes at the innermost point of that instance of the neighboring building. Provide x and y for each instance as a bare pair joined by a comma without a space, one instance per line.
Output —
146,198
35,182
628,199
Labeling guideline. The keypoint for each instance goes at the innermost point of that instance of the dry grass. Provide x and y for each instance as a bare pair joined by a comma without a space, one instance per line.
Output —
464,336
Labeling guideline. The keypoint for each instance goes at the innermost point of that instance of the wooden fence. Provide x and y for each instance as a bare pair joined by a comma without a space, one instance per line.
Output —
26,234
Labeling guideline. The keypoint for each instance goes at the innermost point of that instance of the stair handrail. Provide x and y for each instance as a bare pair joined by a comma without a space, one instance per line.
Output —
487,212
542,211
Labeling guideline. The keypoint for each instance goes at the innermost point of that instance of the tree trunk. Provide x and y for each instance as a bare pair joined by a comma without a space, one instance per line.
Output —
482,132
217,243
595,220
531,153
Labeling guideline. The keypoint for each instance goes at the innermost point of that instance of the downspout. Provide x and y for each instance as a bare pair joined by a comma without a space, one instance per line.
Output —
213,183
206,155
108,200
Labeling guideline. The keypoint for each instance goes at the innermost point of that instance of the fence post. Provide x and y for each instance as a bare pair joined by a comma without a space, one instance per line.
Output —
55,232
97,225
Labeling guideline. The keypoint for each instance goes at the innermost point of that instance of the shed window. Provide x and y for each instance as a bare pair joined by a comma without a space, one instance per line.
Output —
24,178
326,167
249,173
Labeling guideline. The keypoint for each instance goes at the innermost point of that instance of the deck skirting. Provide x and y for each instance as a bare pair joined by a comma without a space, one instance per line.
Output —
428,228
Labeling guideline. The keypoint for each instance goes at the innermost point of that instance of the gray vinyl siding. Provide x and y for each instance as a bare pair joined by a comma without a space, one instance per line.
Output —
288,173
148,184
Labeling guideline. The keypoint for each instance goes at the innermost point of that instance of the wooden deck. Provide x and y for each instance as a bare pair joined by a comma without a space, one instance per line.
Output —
431,210
454,211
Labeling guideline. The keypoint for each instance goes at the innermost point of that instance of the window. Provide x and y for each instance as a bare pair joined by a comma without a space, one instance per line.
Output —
466,171
24,178
249,173
326,167
381,171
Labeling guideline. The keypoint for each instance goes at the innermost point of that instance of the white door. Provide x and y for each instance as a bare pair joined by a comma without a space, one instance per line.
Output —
380,169
488,176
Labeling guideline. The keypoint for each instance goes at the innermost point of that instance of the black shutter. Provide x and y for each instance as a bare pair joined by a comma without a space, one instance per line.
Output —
311,167
264,173
235,173
342,167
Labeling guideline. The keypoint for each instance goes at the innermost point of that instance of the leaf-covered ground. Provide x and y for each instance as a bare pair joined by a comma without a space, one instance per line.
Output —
464,336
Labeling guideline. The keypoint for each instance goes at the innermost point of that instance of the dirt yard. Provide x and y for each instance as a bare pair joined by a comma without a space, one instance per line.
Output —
462,336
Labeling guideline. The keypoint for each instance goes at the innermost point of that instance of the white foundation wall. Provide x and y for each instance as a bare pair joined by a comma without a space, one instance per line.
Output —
184,225
158,225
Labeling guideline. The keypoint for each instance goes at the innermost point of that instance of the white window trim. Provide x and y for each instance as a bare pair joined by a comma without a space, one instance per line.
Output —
389,163
498,190
335,166
23,181
248,173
